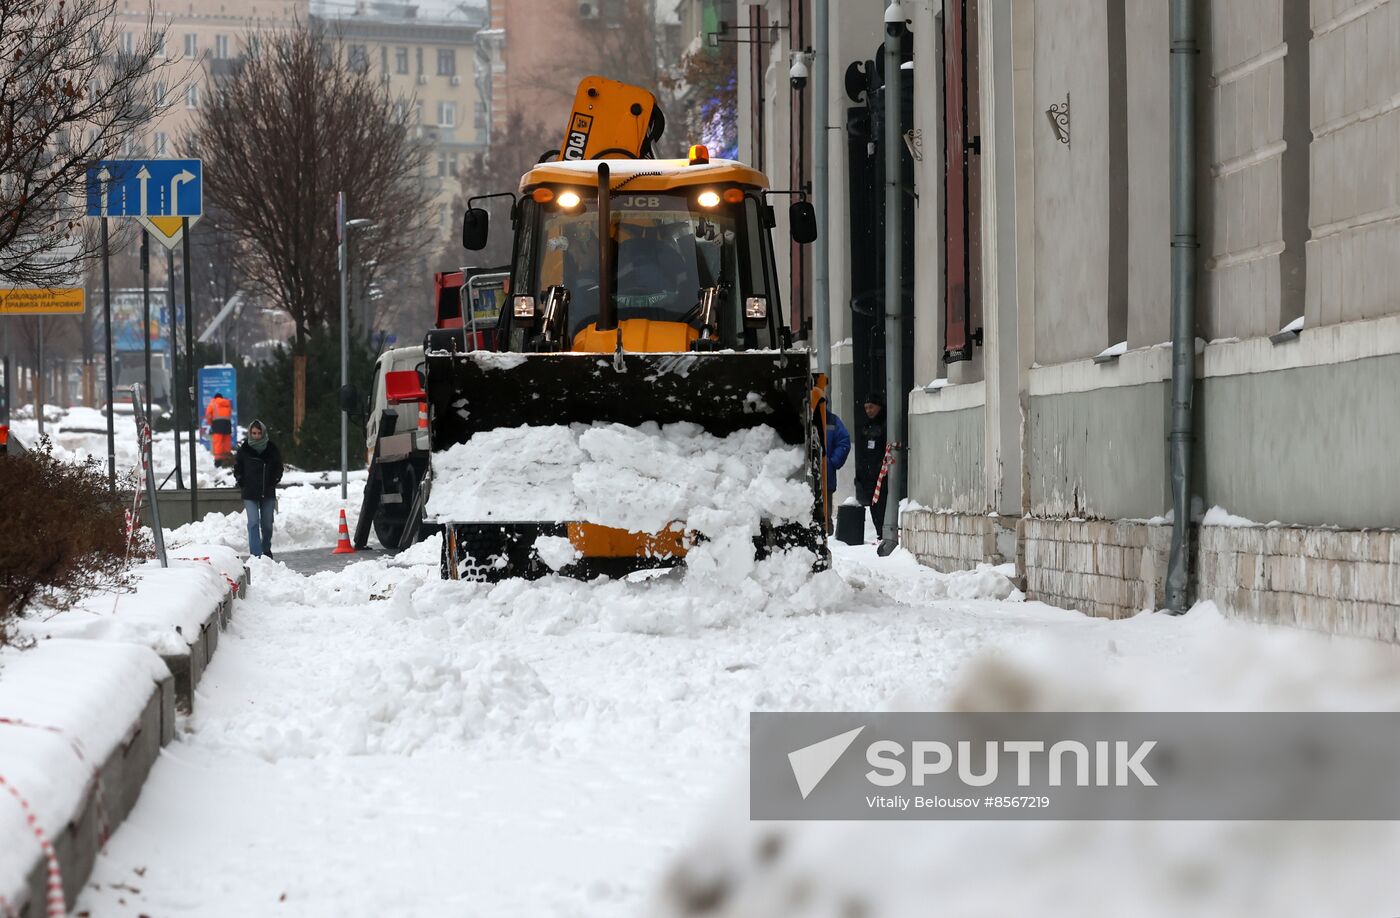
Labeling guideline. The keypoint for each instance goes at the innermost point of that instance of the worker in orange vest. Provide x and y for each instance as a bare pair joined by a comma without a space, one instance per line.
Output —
219,417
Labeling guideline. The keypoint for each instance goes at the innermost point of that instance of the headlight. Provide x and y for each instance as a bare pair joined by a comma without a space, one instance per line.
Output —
524,307
756,308
708,199
568,200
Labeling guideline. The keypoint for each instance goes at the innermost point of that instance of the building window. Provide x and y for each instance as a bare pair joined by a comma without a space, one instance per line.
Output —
221,46
400,112
442,164
383,58
401,60
417,112
252,46
447,62
452,164
191,45
359,58
192,96
158,43
159,147
127,43
160,93
447,114
418,57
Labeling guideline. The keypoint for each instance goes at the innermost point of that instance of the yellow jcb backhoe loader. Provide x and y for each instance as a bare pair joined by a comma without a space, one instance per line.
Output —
641,289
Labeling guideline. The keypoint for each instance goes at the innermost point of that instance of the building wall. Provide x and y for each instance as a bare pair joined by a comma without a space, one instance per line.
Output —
1250,228
1308,445
1299,211
1071,203
948,440
1148,150
1354,204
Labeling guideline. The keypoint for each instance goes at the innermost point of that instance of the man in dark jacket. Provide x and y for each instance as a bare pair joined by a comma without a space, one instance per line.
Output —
257,467
870,456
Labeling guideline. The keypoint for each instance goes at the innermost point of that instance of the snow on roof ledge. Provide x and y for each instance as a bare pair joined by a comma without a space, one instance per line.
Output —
1110,354
1289,332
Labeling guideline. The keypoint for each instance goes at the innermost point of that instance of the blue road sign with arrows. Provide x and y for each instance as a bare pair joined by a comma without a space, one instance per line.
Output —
145,188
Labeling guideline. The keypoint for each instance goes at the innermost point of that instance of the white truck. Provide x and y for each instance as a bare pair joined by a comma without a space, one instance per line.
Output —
396,456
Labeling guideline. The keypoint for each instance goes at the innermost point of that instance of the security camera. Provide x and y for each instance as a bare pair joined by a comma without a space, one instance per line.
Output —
894,19
798,72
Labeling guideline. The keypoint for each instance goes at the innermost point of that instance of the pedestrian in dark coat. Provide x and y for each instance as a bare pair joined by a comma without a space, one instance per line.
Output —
870,456
257,467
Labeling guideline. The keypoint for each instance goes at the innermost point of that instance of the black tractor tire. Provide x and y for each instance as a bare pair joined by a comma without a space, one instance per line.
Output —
388,530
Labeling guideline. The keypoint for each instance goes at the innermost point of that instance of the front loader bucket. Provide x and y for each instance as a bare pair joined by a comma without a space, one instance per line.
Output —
721,392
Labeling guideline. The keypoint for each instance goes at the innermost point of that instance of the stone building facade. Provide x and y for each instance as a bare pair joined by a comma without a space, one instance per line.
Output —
1047,445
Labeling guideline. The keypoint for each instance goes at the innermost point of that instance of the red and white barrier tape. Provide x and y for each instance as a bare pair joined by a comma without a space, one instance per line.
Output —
884,470
233,584
56,906
103,825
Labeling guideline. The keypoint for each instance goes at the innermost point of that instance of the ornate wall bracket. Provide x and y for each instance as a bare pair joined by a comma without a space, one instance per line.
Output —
1059,120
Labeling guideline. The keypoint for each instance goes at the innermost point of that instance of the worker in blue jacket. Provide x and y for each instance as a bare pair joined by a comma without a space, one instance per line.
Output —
838,447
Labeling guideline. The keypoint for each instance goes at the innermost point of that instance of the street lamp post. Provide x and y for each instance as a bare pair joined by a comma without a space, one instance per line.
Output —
343,227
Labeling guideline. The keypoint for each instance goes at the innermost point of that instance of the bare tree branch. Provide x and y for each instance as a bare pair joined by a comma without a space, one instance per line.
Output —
279,137
70,95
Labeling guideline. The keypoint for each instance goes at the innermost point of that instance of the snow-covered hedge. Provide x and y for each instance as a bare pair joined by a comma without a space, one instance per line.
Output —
64,535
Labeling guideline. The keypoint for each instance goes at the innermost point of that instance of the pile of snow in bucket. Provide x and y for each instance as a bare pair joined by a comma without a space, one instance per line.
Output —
640,479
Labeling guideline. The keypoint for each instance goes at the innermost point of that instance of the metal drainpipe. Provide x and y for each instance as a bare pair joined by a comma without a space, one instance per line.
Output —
821,287
895,389
1183,152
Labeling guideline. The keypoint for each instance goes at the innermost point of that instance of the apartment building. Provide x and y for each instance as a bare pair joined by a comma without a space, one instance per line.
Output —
203,39
430,65
434,67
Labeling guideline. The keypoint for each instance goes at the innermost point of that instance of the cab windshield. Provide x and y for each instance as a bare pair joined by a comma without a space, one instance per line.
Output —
667,250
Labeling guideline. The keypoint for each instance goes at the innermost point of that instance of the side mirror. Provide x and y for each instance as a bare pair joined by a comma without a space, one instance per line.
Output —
349,400
476,223
802,217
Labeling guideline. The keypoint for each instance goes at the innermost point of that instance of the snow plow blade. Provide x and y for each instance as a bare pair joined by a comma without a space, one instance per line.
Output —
721,392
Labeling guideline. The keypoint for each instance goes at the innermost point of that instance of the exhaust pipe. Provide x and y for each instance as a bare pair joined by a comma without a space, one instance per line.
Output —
607,309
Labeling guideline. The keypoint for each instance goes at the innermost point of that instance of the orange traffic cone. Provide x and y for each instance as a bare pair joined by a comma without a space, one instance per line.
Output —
343,547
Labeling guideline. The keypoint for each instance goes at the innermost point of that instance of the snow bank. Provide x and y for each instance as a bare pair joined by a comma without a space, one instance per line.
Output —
641,479
89,693
1219,516
307,517
164,611
1150,662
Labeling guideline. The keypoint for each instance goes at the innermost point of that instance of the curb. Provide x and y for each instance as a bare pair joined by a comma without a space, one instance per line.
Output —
123,774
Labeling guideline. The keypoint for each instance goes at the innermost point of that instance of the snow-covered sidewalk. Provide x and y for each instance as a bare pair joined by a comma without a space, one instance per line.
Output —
85,709
379,742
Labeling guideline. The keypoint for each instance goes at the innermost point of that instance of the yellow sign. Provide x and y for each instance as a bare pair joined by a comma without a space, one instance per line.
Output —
168,231
41,301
